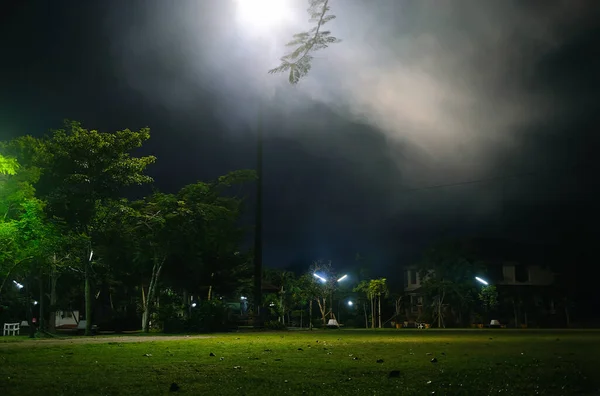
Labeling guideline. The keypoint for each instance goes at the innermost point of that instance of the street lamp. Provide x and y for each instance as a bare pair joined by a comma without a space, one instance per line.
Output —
342,278
319,277
350,303
260,16
481,280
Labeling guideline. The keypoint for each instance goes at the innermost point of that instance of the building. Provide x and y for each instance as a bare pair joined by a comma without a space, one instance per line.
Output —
525,293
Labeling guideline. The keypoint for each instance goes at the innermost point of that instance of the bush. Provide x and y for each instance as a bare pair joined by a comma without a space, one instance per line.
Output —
209,316
275,325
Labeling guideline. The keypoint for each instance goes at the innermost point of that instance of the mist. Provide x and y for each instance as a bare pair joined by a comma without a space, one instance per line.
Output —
418,94
450,80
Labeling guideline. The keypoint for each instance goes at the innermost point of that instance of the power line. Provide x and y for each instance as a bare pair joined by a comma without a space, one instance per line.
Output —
483,180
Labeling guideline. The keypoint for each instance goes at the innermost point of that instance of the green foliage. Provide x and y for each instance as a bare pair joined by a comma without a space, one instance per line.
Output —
65,200
8,165
449,269
488,295
85,166
299,62
275,325
23,227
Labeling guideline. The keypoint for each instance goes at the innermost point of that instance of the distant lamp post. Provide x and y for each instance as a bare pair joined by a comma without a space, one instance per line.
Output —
482,281
260,16
350,304
18,285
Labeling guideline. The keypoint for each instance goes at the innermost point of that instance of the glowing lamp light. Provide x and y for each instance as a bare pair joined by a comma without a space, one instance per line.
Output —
18,285
243,298
262,14
319,277
194,305
481,280
35,303
342,278
350,303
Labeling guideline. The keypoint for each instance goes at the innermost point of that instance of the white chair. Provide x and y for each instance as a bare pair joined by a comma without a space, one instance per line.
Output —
13,328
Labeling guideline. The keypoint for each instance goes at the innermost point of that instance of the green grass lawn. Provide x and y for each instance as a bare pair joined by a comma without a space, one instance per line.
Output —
333,362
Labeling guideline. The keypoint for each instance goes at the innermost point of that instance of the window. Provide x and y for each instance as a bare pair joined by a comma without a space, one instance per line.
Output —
415,303
496,272
521,273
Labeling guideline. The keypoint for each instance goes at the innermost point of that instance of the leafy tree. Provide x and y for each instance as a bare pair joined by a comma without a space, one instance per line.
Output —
286,282
21,219
82,169
208,247
324,287
364,289
299,62
153,222
448,270
378,289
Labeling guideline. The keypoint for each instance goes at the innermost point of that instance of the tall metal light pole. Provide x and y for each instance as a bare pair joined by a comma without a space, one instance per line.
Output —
258,221
260,16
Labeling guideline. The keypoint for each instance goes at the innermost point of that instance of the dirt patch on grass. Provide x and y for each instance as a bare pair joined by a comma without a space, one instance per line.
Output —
29,343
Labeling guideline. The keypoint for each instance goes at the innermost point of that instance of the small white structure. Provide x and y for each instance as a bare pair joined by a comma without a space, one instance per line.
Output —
333,323
13,328
66,318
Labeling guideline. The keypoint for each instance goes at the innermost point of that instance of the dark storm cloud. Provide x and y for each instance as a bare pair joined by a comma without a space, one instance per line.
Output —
419,93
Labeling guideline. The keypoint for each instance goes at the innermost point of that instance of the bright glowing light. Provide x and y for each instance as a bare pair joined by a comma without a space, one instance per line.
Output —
262,14
350,303
194,305
91,255
272,305
481,280
320,278
243,298
19,286
35,303
342,278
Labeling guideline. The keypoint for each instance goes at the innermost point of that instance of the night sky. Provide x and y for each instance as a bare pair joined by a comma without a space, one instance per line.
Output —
376,152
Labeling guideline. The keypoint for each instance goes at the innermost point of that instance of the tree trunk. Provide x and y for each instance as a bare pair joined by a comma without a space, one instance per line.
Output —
210,287
29,303
41,302
53,281
439,314
186,304
516,313
156,269
88,298
379,309
567,315
281,307
366,316
322,308
372,313
310,314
